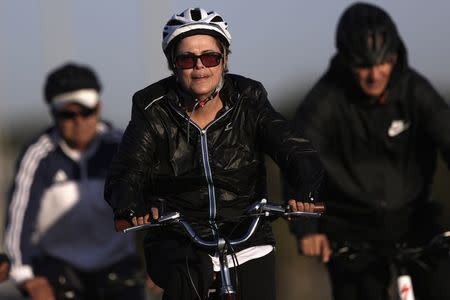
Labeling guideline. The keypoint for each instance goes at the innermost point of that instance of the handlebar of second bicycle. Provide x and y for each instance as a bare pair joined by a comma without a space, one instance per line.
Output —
440,243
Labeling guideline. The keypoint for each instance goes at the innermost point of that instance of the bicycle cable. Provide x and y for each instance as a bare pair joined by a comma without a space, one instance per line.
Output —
189,273
235,264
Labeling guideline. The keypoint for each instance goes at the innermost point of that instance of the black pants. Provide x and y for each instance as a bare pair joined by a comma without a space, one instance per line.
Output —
369,278
186,272
257,278
357,280
121,281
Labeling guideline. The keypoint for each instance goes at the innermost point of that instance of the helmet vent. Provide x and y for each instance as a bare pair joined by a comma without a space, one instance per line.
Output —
196,14
217,19
193,21
376,41
174,23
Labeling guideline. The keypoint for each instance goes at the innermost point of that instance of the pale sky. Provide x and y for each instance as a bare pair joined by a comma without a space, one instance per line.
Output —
285,44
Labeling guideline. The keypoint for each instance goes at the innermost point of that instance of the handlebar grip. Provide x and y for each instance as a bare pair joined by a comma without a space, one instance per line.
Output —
319,207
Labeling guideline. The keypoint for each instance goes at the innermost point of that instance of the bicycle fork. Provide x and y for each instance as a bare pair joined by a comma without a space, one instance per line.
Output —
405,287
402,280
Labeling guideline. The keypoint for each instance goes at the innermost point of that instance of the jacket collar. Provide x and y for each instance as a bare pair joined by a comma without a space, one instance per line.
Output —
175,94
77,155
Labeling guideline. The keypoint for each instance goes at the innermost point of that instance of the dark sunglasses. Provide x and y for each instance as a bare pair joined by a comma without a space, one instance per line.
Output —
70,115
189,60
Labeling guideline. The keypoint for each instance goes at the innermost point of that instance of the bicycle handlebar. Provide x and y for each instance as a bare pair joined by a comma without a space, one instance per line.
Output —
256,211
398,252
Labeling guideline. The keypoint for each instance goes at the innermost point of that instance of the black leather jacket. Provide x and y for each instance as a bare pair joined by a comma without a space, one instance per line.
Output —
211,174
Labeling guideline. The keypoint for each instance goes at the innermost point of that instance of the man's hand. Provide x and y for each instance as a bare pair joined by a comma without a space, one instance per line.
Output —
153,287
315,245
4,271
39,289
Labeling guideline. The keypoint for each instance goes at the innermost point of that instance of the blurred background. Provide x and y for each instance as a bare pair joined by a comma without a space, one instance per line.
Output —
285,44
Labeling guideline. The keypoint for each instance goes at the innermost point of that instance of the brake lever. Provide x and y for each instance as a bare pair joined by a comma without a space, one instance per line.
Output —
140,227
294,214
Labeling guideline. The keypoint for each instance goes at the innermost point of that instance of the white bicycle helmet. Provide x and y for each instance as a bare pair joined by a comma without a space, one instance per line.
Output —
195,21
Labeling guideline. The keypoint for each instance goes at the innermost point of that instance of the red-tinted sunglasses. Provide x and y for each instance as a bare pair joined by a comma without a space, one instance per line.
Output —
189,60
70,115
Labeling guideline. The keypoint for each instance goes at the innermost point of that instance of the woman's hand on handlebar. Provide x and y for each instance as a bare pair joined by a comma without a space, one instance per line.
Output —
140,220
146,218
127,218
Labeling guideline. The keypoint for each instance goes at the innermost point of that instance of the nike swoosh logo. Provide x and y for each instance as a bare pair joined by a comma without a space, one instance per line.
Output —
397,127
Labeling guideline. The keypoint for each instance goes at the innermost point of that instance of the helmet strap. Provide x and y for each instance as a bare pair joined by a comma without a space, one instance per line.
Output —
202,102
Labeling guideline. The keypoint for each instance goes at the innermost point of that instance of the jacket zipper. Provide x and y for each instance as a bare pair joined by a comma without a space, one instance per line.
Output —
207,166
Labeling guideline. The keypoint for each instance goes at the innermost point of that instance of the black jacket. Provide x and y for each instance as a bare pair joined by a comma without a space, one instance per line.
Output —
219,171
379,158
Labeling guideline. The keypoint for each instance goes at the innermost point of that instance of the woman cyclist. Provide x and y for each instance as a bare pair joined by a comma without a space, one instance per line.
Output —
195,144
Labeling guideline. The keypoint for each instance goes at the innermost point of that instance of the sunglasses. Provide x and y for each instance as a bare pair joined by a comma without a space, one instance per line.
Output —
189,60
71,115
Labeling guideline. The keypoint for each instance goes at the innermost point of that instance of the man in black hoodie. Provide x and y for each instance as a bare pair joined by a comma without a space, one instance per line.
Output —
378,126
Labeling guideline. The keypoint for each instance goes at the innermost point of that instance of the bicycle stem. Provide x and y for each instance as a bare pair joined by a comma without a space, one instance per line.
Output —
225,278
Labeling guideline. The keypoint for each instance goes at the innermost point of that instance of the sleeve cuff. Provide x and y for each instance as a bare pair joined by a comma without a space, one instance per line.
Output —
19,274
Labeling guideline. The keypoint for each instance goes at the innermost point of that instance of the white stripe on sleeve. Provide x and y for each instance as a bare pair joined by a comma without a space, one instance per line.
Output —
20,197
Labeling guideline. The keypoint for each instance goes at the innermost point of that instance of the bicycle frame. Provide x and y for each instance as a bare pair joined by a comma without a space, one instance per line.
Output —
256,212
401,286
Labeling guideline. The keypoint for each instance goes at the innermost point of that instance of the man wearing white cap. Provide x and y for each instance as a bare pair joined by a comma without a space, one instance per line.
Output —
59,236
